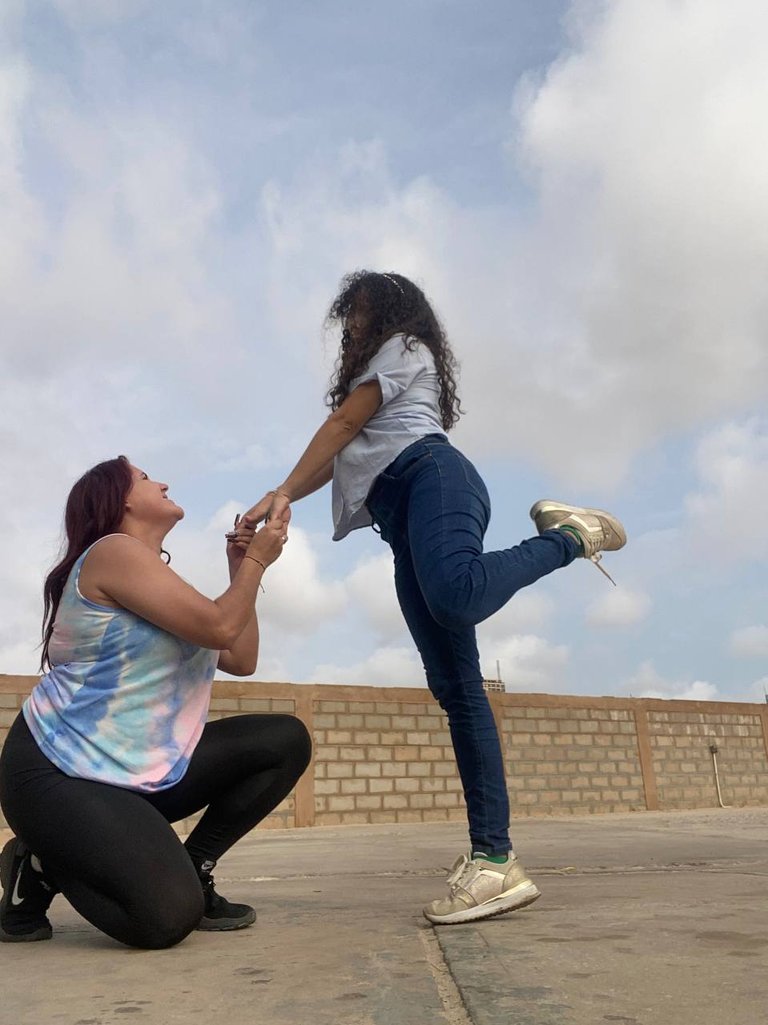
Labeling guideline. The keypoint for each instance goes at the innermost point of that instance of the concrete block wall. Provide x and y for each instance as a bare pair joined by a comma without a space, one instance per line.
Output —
567,759
683,763
385,755
236,701
383,760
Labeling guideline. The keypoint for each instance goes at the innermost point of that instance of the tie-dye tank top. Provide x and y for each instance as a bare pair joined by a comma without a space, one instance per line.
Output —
124,702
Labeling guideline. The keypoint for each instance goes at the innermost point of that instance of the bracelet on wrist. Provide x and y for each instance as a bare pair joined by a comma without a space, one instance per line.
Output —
254,559
277,491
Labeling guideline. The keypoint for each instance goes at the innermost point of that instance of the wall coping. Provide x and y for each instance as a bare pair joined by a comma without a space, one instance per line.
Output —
13,684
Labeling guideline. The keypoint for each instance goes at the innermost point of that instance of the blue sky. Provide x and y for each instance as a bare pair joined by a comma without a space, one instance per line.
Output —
580,187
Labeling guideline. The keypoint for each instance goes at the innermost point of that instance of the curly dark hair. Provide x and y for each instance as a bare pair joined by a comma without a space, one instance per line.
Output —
395,306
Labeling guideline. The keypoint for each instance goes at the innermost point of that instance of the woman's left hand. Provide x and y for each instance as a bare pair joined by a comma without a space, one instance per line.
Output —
238,540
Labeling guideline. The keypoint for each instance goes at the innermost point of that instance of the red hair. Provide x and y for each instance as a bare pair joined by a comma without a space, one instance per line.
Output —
95,508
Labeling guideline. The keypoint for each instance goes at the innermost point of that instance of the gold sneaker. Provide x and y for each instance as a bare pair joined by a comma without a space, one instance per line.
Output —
599,530
482,889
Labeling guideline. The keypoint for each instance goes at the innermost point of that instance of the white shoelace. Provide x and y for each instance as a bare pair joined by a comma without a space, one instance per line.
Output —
463,872
595,560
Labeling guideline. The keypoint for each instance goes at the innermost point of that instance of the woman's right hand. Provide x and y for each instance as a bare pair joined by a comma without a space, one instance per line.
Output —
273,506
267,544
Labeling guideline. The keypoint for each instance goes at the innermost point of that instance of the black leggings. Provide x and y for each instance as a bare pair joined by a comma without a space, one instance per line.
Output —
113,853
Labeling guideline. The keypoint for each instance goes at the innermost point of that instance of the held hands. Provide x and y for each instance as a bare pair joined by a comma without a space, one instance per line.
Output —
265,545
274,505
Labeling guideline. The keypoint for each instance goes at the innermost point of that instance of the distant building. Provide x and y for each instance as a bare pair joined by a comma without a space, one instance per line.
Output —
496,686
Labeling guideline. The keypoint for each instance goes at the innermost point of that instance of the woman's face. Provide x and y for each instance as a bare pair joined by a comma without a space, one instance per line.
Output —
358,320
148,500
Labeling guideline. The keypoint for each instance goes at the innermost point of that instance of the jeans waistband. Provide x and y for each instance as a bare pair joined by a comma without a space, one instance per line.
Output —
413,452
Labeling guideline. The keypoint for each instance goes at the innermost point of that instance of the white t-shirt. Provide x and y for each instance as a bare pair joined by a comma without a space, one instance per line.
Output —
410,409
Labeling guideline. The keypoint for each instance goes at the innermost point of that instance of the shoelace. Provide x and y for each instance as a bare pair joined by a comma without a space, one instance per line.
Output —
464,872
587,543
212,898
595,560
462,875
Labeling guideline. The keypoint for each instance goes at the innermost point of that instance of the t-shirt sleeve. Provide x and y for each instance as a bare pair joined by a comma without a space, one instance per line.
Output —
395,367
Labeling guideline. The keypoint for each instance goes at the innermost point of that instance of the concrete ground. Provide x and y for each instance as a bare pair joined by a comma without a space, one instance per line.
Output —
646,919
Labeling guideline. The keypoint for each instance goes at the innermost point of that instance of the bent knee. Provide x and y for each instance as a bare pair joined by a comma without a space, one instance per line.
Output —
165,928
298,743
451,616
161,933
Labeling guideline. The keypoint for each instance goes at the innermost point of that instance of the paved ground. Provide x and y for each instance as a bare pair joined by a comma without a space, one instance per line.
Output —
647,919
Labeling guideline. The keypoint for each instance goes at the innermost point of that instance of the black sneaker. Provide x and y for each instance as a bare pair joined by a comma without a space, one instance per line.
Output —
26,896
221,915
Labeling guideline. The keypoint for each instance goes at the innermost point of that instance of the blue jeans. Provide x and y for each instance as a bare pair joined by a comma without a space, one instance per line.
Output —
432,507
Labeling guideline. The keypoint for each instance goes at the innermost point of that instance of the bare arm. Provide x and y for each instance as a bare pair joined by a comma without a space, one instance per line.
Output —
334,435
315,482
128,573
241,658
315,467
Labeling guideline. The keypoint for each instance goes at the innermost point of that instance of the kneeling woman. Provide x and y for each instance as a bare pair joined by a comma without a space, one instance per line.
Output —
112,744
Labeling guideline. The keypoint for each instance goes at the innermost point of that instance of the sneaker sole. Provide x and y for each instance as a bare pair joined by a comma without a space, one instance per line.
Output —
555,509
226,924
512,900
44,932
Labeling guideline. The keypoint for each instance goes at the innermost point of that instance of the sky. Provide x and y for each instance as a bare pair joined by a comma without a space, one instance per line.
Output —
581,188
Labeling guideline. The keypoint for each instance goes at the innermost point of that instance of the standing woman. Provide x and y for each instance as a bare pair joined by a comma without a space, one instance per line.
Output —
384,445
112,744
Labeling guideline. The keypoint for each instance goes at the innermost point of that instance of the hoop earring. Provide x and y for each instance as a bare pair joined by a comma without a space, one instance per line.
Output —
167,554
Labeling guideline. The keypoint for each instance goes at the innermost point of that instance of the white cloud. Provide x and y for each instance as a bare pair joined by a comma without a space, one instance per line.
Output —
21,607
99,12
523,658
371,589
649,248
343,213
699,690
622,312
156,299
526,662
732,466
115,267
759,690
248,457
647,683
297,599
619,607
749,641
529,610
385,667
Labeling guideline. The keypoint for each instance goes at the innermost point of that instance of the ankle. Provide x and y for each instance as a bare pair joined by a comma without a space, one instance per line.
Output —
494,859
204,865
575,535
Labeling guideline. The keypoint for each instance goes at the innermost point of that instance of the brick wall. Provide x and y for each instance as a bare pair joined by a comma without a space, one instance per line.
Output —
683,762
383,760
566,759
384,754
